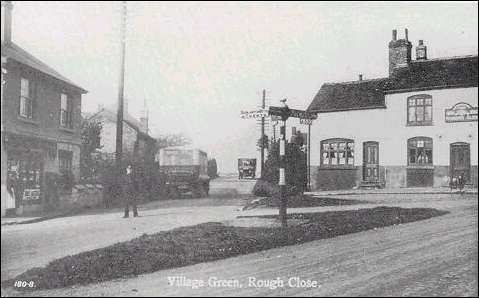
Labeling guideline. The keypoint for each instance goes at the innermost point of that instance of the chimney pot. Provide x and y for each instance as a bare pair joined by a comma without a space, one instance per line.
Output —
421,51
406,35
360,77
7,22
395,34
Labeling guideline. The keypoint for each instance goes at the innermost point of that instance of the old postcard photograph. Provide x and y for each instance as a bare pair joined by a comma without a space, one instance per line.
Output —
237,148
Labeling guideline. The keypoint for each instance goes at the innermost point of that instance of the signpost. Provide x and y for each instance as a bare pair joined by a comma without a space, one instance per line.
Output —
261,113
284,113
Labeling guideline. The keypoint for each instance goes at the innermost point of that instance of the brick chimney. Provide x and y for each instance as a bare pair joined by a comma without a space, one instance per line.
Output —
7,8
399,52
421,51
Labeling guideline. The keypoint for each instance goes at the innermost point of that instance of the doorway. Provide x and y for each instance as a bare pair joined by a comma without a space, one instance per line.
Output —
460,163
371,162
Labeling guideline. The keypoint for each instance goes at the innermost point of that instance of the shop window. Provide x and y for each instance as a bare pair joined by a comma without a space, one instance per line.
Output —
26,101
66,111
24,177
337,153
419,110
420,151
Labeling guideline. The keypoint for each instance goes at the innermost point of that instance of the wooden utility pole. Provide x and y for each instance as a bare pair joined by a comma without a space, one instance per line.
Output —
263,105
283,203
121,88
309,157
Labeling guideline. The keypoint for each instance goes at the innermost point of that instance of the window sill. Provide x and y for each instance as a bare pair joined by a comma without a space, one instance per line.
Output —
28,121
66,129
340,167
420,124
420,167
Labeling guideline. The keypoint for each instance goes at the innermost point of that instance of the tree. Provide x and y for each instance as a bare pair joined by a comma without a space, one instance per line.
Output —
91,137
212,168
296,169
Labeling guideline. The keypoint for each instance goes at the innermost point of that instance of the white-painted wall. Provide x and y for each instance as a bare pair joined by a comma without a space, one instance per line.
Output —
389,128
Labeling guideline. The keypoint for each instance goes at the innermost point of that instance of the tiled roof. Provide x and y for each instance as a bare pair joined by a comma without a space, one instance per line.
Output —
14,52
446,72
419,75
349,95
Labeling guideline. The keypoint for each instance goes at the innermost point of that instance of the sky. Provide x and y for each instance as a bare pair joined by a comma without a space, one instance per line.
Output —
197,65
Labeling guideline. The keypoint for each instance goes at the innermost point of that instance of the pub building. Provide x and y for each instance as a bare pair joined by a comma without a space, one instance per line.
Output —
415,128
41,126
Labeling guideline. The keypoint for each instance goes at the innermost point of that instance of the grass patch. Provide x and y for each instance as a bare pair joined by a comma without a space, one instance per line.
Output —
209,242
302,201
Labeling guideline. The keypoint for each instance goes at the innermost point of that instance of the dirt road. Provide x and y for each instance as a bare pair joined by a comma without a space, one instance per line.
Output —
33,245
435,257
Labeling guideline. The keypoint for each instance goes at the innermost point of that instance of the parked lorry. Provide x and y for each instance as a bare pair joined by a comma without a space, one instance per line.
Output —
183,170
246,168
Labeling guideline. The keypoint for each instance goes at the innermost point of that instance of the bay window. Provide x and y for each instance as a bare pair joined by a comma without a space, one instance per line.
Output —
337,153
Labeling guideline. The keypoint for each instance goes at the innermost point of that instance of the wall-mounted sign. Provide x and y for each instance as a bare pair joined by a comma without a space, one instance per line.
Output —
461,112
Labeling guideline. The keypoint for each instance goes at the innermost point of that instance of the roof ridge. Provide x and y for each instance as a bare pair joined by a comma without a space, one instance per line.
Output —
445,58
356,82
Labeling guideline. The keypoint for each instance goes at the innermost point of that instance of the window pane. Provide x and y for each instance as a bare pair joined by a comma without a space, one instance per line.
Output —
411,102
421,156
420,114
428,113
325,158
24,87
63,101
419,101
412,114
342,146
342,158
350,157
334,159
23,106
428,156
412,155
334,146
428,101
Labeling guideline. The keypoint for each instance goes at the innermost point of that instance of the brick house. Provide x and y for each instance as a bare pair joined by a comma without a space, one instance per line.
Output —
41,118
415,128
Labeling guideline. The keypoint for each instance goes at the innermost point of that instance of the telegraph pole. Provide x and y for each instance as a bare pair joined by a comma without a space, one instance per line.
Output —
283,204
262,134
309,157
121,88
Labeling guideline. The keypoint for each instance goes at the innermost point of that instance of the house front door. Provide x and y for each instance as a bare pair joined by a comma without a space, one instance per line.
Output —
371,162
460,161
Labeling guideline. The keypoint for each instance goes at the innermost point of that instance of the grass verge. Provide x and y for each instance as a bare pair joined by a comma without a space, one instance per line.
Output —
208,242
302,201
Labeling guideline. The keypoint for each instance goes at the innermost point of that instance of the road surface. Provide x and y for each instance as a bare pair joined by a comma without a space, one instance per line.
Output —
31,245
435,257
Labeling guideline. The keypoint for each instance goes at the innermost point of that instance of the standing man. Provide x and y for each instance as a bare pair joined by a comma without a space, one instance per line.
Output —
131,191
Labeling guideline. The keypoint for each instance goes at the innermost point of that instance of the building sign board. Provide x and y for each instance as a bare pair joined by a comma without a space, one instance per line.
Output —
461,112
